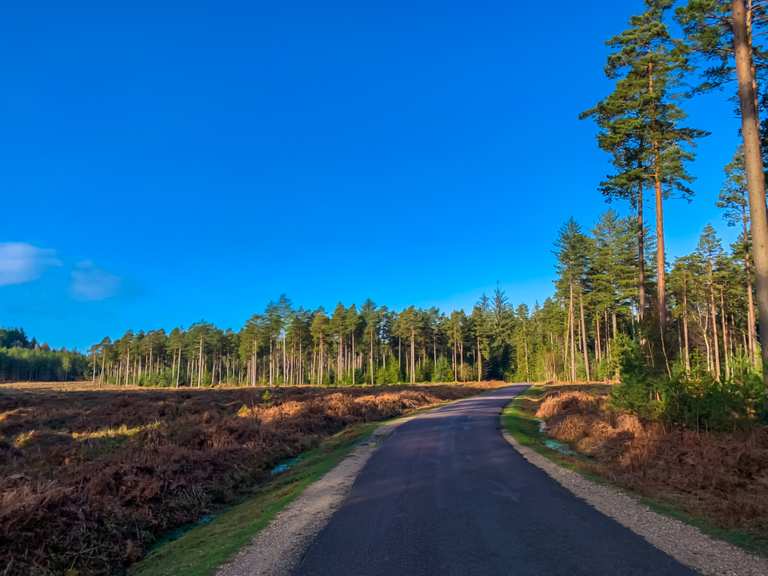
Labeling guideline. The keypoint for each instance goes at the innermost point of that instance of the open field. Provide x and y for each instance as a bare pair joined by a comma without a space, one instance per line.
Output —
716,480
89,479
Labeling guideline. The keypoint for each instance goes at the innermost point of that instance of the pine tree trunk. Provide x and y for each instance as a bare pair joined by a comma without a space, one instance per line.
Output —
661,297
584,348
598,344
713,319
751,336
571,322
371,362
686,349
413,356
479,361
640,254
453,359
753,163
322,363
724,329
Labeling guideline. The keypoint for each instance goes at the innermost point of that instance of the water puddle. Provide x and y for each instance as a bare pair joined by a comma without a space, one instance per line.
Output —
554,444
285,465
280,468
181,530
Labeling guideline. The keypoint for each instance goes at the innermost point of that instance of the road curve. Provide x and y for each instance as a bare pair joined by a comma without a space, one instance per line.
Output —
445,494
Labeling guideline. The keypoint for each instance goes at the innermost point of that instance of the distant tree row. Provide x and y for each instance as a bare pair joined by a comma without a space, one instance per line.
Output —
24,359
287,346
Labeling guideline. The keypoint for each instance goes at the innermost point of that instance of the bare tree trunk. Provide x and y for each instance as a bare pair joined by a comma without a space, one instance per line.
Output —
751,336
686,349
713,317
413,356
371,359
661,294
584,348
453,359
479,361
753,163
527,365
200,365
640,253
321,365
725,335
598,344
571,322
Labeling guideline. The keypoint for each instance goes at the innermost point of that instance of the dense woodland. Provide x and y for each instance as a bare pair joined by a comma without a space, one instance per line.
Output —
25,359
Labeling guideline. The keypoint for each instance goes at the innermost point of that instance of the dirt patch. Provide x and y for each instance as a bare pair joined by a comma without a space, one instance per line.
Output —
722,477
89,479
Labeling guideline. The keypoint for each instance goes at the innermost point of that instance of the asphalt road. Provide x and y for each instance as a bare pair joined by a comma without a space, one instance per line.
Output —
445,494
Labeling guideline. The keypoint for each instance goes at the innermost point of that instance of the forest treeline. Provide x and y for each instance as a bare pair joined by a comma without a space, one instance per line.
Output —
25,359
346,346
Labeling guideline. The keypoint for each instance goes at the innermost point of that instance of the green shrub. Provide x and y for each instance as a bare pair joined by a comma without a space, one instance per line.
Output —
442,371
694,400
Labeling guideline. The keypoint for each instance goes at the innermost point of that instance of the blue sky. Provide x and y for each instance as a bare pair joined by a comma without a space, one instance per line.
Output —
167,164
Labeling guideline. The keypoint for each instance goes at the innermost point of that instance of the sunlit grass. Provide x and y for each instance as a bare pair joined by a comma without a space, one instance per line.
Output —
122,431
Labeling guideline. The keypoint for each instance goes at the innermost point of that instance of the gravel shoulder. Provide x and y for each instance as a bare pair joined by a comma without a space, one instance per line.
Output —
681,541
277,550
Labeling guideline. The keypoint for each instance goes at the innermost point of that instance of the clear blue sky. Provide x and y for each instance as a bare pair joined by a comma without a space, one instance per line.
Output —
166,162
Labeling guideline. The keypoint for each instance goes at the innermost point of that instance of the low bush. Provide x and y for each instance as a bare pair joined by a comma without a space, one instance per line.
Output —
718,475
694,400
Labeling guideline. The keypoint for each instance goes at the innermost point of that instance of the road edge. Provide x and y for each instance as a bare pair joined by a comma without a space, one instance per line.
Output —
277,549
683,542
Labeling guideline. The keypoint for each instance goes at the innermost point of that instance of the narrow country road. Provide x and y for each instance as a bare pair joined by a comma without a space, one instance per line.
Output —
445,494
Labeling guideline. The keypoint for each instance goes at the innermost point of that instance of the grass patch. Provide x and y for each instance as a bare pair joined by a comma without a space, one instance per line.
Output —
519,420
202,549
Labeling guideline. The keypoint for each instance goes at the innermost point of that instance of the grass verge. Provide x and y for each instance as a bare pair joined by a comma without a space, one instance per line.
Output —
519,420
202,549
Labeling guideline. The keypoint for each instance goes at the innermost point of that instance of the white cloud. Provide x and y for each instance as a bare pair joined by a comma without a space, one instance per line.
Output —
92,283
21,262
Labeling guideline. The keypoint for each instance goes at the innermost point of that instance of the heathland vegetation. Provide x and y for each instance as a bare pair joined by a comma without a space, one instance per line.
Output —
90,479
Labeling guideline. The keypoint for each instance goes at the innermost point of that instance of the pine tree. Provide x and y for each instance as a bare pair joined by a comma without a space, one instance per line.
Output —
573,250
733,200
724,32
710,251
642,126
